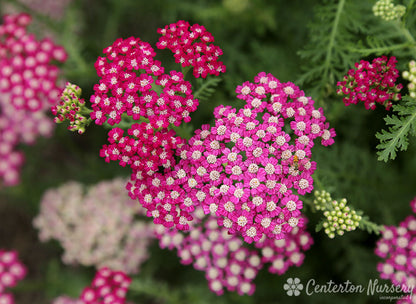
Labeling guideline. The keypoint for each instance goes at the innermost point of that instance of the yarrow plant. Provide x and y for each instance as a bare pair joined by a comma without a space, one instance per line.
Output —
371,83
11,271
397,247
244,168
135,95
28,87
92,228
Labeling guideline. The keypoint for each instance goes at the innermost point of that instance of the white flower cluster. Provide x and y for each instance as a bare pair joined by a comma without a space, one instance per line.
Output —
100,227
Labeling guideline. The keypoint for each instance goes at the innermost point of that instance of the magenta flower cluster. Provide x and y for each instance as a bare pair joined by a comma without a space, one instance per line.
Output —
227,264
11,271
159,98
28,87
192,46
246,169
142,103
371,83
397,247
108,286
142,148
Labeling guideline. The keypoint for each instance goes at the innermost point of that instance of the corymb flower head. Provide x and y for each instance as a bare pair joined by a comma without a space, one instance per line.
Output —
99,227
192,46
133,84
28,88
249,169
228,264
371,83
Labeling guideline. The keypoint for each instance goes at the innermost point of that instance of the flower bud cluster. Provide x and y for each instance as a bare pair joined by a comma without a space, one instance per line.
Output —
339,217
72,107
410,75
386,10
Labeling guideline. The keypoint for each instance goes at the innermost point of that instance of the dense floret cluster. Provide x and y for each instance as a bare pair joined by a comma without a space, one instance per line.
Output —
192,46
28,88
11,271
397,247
99,227
371,83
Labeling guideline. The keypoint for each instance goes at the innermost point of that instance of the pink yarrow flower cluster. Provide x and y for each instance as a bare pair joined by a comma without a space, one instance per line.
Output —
28,87
227,264
192,46
11,271
246,170
371,83
397,247
99,227
142,102
108,286
134,87
133,84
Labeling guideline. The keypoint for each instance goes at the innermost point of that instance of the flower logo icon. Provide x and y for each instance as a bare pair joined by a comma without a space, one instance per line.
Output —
293,286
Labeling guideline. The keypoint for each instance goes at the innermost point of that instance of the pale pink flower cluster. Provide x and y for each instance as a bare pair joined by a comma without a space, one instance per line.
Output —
98,226
28,87
397,247
227,263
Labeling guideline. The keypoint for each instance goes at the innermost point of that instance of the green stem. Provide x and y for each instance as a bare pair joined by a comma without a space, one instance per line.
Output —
406,33
185,70
408,10
111,27
369,225
331,43
385,49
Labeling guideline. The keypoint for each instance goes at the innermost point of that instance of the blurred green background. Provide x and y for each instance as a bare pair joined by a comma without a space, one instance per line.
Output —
255,35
